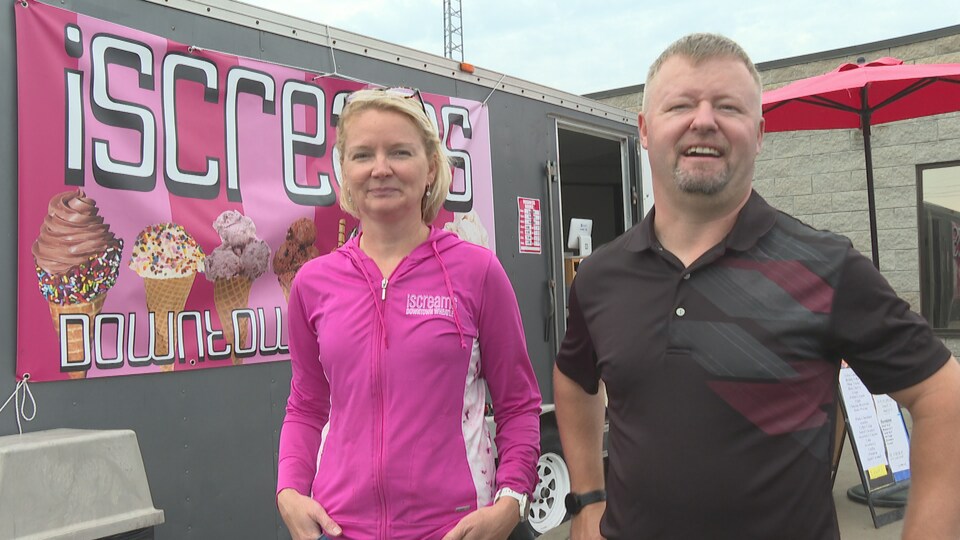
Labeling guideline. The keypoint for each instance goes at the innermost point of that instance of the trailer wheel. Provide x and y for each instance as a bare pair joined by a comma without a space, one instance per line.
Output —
553,483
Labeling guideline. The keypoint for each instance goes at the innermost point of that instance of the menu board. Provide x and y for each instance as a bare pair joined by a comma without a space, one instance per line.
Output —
878,432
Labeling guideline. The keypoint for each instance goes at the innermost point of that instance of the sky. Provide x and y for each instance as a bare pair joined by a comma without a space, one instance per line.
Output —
583,46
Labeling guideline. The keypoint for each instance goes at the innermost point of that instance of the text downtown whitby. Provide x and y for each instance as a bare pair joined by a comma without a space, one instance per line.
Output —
110,340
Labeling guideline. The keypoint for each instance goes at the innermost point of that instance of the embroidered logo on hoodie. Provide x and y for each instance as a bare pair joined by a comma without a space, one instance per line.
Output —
429,304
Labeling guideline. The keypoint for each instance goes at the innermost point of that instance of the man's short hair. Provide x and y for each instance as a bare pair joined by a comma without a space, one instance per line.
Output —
699,47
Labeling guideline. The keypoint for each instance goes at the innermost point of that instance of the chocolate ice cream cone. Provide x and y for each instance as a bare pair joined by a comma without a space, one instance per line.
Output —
165,296
230,294
286,281
75,335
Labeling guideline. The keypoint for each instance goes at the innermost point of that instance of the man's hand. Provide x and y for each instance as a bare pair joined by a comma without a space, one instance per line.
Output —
491,523
304,516
586,524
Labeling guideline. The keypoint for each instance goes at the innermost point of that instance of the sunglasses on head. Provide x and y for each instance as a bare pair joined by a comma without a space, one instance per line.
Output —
399,91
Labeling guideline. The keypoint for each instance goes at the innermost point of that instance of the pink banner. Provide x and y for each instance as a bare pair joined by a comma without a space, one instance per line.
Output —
157,186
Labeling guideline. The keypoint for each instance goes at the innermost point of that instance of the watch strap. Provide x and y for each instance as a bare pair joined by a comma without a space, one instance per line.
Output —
522,499
579,500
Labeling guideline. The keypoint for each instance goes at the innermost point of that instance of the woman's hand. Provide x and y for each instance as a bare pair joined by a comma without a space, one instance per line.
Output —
490,523
305,518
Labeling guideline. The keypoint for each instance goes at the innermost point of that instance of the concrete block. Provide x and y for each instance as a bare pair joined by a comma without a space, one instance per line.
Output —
898,197
73,484
840,181
797,185
905,132
764,186
897,239
846,201
897,218
825,163
902,282
948,126
899,176
937,152
894,156
844,223
905,260
812,204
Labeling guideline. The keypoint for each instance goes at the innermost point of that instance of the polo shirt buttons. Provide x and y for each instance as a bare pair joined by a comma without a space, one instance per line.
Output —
681,312
686,276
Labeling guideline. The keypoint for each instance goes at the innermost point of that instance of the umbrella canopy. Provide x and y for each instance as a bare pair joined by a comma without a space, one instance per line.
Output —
861,95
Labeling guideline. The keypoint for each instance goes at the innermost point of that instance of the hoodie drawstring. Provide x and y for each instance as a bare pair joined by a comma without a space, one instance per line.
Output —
446,279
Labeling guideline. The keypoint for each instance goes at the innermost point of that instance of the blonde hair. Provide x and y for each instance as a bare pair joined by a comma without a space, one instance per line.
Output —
700,47
410,106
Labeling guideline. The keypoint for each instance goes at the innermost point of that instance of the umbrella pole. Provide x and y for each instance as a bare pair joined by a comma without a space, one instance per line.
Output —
871,199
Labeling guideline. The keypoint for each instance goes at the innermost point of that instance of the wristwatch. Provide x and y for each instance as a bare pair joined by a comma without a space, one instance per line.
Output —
520,497
576,501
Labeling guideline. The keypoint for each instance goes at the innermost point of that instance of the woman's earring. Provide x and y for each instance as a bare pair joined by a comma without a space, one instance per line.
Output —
427,194
349,197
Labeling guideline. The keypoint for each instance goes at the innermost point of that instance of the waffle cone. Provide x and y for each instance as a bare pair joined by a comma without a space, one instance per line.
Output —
165,296
286,281
75,335
230,294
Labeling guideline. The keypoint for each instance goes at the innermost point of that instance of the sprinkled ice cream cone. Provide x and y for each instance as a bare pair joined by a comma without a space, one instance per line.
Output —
168,259
77,260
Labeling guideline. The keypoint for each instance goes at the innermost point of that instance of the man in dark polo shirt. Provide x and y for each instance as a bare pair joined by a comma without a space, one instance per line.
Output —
717,327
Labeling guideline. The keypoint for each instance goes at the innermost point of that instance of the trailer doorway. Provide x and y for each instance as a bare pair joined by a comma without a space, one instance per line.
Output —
597,177
594,184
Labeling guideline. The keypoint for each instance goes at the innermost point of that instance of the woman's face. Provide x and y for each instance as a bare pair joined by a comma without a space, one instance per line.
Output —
386,169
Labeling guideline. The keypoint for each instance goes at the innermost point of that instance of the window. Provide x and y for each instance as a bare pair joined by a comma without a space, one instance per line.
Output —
939,187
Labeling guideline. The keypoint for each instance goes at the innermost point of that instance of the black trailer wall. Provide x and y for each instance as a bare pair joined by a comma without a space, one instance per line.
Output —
209,437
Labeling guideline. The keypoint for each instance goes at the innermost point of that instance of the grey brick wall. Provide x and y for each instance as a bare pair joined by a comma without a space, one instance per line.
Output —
819,176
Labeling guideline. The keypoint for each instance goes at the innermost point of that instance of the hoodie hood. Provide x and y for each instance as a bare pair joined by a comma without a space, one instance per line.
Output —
444,240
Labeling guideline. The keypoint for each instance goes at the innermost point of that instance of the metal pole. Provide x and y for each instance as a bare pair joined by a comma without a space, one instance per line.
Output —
868,159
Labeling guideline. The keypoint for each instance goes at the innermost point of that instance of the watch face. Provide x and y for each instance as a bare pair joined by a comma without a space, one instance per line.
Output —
572,502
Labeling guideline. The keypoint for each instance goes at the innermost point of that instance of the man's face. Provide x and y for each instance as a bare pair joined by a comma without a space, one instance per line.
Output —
702,126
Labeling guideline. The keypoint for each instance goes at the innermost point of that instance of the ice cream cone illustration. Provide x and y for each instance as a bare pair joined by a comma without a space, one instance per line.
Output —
469,227
77,259
297,249
232,267
230,294
168,259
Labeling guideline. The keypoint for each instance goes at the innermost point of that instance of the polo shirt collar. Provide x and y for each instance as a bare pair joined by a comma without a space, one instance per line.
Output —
755,219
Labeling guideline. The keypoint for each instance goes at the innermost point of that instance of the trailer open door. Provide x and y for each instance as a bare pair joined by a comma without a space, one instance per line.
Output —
594,179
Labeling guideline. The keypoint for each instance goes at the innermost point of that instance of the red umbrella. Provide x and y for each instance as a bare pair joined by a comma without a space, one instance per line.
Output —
861,95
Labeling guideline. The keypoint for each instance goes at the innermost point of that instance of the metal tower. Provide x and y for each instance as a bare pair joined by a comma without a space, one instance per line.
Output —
452,30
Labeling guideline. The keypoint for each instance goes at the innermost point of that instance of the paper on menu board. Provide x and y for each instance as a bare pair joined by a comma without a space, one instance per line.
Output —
895,436
877,430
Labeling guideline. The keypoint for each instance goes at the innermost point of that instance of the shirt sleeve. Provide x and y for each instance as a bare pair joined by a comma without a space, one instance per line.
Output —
889,346
308,406
577,358
510,378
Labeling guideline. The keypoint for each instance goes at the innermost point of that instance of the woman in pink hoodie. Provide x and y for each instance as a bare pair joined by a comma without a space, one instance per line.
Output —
396,338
